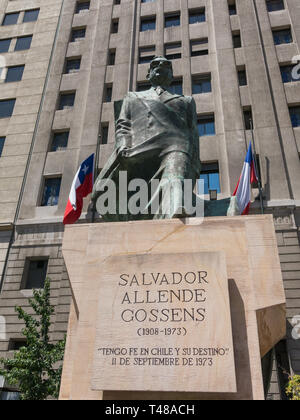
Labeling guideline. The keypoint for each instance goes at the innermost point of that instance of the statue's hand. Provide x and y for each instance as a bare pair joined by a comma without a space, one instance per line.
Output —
233,209
123,153
123,143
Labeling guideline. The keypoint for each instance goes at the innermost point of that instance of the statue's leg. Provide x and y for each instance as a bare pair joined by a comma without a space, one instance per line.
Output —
175,168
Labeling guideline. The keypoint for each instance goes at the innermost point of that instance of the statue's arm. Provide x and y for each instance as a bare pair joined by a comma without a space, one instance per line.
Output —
123,125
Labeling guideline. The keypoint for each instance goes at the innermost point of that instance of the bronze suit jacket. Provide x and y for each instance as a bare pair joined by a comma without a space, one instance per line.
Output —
150,126
158,124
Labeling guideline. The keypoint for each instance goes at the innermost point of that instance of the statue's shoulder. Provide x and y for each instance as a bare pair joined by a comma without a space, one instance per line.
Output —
190,101
143,94
130,95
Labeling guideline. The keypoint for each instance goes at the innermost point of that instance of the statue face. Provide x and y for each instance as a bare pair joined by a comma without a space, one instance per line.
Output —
160,72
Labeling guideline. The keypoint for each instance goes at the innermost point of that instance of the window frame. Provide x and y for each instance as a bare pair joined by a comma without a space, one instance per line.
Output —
242,77
174,17
212,171
248,116
13,100
45,179
17,14
69,60
104,133
23,37
236,36
194,13
10,68
296,115
150,20
289,68
65,94
143,50
77,30
108,93
207,119
270,2
31,20
201,78
3,40
77,8
278,32
26,271
56,134
2,143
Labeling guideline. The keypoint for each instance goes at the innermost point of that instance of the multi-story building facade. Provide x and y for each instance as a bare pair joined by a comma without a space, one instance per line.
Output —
64,63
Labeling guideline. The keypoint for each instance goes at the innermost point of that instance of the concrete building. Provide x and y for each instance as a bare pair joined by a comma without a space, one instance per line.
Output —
66,61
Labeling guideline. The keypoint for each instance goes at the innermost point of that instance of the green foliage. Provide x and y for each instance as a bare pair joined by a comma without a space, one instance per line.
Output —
293,388
35,369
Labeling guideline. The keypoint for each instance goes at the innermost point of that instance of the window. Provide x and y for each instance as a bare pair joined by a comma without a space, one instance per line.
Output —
72,65
236,39
172,20
147,1
176,87
4,45
173,51
10,19
196,16
51,191
111,57
242,76
66,101
23,43
146,54
108,93
104,133
77,34
16,344
283,36
248,120
201,84
210,176
14,74
287,74
206,125
283,367
115,26
148,24
275,5
7,108
6,395
295,116
116,2
35,273
141,87
2,141
59,141
232,7
31,15
82,6
199,47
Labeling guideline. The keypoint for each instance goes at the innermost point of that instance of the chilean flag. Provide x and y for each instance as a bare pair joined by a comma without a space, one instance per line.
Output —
243,188
82,186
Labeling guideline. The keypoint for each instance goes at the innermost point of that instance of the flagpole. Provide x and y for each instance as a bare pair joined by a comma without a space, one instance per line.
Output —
95,173
261,199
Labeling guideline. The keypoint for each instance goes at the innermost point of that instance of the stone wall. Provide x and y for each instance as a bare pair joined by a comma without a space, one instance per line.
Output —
35,241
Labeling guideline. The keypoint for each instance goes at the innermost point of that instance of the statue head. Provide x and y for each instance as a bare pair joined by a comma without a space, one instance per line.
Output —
160,72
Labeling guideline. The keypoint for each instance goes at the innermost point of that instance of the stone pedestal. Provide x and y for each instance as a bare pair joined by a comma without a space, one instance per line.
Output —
174,309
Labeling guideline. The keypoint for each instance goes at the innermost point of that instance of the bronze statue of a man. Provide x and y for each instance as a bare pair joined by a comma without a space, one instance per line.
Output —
156,138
